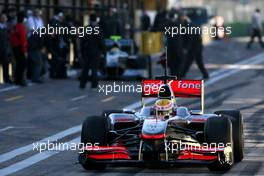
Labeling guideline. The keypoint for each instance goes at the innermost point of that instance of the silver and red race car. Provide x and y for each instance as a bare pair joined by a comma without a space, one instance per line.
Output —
164,133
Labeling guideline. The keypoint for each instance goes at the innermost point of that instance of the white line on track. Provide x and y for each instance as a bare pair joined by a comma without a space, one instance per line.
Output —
74,108
215,77
8,88
233,66
251,61
25,163
78,98
33,159
108,99
221,74
14,98
6,128
19,151
70,73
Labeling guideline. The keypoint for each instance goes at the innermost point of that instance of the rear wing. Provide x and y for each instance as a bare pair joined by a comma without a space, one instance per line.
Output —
180,88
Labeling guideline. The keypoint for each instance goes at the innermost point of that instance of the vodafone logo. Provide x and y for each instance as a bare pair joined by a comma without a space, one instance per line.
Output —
186,85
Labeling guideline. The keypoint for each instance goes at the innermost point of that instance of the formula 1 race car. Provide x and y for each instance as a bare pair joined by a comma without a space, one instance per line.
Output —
122,60
164,133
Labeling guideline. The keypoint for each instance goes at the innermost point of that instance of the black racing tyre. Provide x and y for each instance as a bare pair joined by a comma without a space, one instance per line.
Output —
218,131
238,132
94,131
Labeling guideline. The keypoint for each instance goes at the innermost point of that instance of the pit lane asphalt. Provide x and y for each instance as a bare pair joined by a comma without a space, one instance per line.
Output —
33,113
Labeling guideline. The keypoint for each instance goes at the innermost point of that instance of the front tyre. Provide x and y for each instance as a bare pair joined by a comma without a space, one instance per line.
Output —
218,131
238,132
94,130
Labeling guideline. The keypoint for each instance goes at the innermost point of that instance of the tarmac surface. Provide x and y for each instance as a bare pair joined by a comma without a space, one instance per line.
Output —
54,111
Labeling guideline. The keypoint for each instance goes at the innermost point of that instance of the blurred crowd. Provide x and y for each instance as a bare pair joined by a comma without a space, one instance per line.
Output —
28,53
33,57
182,50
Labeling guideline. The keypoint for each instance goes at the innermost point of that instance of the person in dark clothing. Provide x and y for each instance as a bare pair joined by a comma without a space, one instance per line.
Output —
18,38
145,21
92,46
11,18
256,27
159,21
70,22
110,24
194,53
58,47
5,52
11,22
174,48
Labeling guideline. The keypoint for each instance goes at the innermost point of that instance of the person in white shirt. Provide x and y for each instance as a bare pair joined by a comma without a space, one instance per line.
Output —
35,45
256,29
35,21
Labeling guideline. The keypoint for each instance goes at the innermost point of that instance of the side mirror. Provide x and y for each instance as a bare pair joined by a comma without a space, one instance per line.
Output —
129,111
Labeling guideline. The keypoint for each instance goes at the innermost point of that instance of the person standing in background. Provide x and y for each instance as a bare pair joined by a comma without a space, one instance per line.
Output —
194,53
174,47
256,27
160,19
5,50
11,22
11,18
92,46
145,21
57,46
110,24
35,45
18,39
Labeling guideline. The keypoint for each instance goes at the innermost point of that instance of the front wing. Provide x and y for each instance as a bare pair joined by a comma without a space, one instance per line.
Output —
121,156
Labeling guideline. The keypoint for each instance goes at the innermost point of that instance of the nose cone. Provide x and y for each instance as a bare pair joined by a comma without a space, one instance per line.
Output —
153,128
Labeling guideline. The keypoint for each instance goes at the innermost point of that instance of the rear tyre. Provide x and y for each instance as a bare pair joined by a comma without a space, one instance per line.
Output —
218,131
238,132
94,131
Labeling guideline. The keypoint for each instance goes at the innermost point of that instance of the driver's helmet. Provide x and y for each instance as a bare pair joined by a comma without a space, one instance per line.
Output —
115,47
163,107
